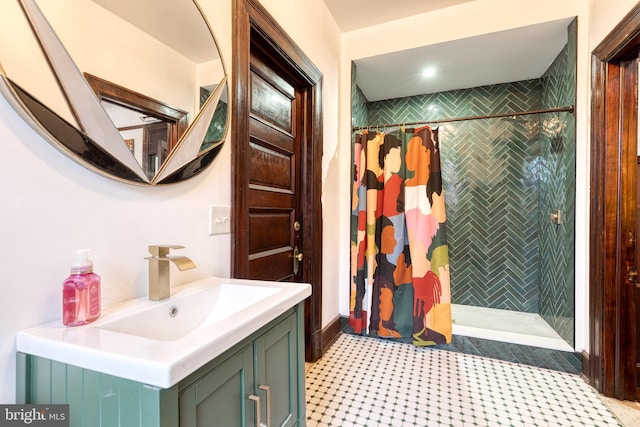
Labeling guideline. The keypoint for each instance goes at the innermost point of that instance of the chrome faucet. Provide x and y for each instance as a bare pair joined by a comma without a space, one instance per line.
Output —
159,288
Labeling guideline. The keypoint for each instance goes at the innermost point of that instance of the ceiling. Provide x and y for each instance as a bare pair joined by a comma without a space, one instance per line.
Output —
354,14
501,57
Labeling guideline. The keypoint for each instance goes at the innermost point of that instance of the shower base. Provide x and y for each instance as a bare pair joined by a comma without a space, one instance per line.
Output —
506,326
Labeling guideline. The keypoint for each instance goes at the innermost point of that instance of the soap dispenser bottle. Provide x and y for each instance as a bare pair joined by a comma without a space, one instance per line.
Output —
81,292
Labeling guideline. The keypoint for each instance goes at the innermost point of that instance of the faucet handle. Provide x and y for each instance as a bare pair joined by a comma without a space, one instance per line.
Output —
162,250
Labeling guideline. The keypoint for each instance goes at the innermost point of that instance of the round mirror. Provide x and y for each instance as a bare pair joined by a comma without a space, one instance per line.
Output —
134,90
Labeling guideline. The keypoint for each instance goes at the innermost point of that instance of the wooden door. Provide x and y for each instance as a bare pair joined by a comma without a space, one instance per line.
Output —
277,160
612,362
274,221
637,287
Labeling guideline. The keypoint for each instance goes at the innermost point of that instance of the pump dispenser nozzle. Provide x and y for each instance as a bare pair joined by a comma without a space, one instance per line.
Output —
82,263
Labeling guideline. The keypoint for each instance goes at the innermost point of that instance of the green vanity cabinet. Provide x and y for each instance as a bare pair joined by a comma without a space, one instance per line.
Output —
264,374
265,370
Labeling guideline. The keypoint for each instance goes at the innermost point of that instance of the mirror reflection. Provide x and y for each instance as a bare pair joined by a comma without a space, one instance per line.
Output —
152,68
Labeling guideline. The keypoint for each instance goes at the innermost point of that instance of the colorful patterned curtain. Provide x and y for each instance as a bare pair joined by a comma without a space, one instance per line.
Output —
399,255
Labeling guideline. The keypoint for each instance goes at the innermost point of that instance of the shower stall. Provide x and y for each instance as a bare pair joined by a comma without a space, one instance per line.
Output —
509,188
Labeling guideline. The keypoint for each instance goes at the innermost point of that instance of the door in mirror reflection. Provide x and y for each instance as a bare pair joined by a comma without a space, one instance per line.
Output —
155,147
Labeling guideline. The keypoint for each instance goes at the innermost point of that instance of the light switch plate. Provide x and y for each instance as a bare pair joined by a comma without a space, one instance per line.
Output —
219,220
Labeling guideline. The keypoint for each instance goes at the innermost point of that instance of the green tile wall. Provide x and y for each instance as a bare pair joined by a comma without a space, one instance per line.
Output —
502,178
359,103
215,132
557,192
490,172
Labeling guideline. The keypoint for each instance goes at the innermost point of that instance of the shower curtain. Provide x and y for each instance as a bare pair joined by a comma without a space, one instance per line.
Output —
399,255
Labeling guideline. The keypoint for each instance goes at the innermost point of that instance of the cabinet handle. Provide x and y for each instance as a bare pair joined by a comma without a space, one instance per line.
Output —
267,389
256,400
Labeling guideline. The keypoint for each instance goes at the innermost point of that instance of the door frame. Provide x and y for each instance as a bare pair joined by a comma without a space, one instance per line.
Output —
610,365
254,26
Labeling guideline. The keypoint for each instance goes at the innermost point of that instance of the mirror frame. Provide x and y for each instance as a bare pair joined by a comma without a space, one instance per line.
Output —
186,160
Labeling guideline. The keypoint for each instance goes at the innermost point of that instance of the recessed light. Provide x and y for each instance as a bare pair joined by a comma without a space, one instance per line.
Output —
429,72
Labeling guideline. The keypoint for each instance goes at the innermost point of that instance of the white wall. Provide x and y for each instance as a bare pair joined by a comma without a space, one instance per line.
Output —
605,15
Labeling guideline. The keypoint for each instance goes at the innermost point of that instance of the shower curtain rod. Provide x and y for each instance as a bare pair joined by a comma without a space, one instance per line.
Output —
569,109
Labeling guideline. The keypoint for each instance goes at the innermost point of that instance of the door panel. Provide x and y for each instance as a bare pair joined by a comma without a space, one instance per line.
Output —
273,230
270,197
273,200
272,265
270,169
626,383
271,100
277,138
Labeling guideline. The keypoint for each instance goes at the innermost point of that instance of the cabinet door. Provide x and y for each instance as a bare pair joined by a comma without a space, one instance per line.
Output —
220,399
276,368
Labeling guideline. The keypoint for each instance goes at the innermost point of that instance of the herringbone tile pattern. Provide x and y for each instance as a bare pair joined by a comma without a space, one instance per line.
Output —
360,114
557,192
457,103
359,103
491,194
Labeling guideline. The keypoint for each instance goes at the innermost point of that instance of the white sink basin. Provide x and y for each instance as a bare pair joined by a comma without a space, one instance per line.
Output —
161,342
186,313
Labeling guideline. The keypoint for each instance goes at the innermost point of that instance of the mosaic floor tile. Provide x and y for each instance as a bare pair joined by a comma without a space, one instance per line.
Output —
524,354
368,382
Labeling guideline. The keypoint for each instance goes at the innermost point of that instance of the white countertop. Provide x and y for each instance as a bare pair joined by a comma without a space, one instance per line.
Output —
157,362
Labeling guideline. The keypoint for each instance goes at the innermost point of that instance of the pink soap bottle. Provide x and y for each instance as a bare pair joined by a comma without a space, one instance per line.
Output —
81,292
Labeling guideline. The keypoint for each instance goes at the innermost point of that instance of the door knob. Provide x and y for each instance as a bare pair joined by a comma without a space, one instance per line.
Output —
297,258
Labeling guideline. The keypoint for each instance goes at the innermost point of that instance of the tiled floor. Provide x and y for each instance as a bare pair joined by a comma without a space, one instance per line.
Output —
370,382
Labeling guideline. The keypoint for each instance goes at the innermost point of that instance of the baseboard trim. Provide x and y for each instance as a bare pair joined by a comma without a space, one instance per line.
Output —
330,333
585,367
